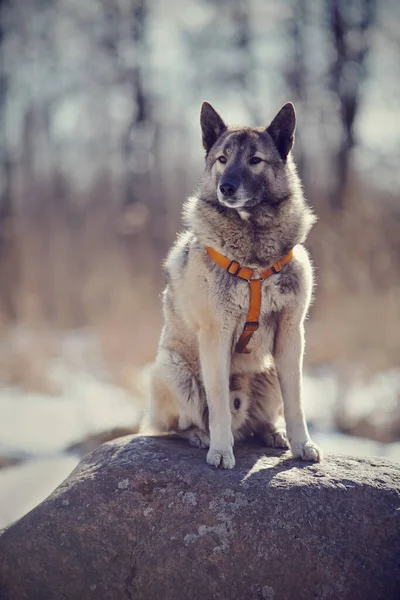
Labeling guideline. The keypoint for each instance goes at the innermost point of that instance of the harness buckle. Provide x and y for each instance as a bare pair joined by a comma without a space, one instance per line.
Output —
277,267
251,326
235,265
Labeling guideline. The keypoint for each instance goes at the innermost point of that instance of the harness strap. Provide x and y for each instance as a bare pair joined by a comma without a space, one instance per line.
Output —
246,273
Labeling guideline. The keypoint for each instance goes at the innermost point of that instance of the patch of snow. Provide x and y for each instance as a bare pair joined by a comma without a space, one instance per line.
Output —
377,398
24,486
39,424
338,443
354,396
87,401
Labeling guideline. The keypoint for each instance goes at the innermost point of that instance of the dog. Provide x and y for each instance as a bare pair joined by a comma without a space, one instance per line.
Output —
222,373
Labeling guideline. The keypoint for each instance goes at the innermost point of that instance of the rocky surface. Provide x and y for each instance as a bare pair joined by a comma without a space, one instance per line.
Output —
147,518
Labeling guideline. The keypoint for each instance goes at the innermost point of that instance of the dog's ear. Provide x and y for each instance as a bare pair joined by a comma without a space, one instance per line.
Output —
282,129
212,126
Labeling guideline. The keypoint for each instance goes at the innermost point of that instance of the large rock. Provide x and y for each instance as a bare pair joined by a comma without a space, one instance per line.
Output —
146,518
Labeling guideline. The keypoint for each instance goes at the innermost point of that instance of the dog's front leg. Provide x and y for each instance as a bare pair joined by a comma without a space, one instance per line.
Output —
289,350
214,350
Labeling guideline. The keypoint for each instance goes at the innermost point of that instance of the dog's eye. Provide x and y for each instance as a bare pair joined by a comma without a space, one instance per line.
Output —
236,403
255,160
222,159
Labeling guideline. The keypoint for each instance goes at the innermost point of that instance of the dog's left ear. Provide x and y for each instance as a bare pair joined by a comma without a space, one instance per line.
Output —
282,129
212,126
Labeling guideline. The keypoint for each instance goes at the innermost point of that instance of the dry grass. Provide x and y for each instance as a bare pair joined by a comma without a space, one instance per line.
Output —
356,315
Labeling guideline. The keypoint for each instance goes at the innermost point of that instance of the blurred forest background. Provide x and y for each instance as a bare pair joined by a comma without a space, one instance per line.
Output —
100,145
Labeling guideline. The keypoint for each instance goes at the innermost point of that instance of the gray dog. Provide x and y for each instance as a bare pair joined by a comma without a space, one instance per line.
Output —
239,283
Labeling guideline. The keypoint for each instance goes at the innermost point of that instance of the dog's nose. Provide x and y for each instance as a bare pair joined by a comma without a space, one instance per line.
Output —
227,189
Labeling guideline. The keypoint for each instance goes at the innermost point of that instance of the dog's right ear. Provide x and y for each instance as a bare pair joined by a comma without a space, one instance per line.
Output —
212,126
282,129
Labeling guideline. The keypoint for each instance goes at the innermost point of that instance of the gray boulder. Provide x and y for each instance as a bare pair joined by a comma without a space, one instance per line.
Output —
147,518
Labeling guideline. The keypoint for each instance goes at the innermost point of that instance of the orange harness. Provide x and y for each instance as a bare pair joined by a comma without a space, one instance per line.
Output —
234,268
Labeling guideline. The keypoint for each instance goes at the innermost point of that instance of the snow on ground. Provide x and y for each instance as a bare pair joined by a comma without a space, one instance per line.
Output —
333,442
376,398
39,427
40,424
24,486
86,402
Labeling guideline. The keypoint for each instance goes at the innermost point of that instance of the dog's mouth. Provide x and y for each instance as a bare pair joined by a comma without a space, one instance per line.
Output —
238,202
232,203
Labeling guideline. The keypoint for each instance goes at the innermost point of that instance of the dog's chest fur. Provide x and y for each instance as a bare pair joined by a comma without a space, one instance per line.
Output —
201,291
234,296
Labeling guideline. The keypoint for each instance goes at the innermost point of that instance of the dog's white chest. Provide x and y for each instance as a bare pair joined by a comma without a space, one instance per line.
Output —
272,303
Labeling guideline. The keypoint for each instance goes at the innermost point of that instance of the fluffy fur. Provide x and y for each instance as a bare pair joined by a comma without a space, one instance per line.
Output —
249,206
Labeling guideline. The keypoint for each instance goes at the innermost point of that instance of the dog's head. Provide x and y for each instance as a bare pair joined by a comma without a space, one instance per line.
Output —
248,166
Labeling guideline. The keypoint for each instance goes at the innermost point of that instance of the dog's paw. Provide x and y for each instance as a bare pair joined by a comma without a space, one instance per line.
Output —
221,457
306,450
199,438
276,439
